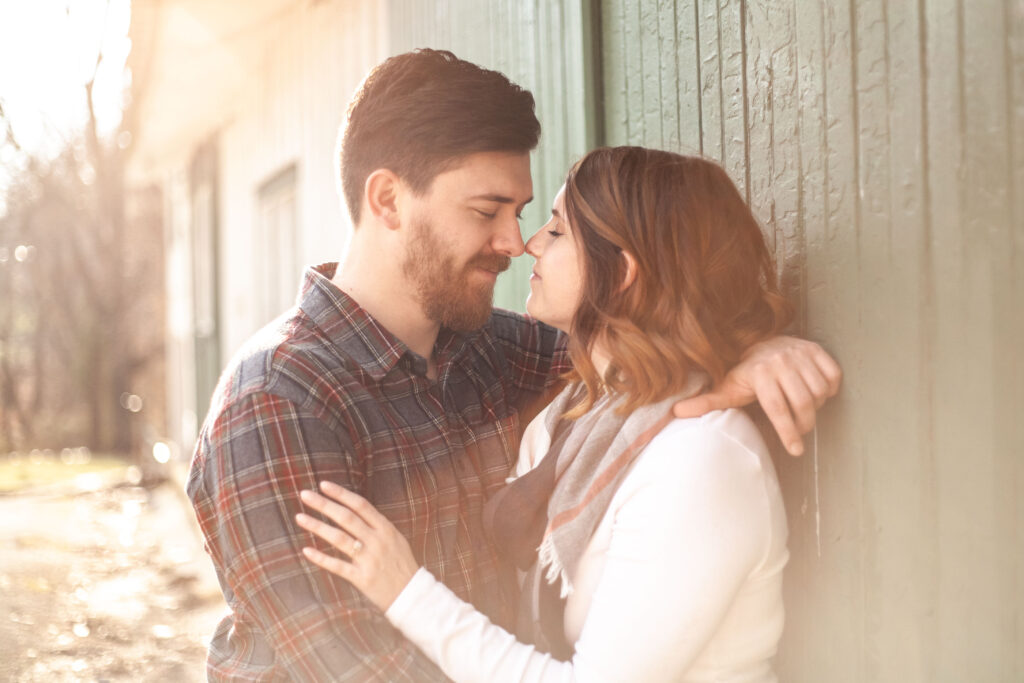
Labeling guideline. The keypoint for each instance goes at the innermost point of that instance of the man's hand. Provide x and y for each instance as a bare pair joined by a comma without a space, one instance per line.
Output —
791,378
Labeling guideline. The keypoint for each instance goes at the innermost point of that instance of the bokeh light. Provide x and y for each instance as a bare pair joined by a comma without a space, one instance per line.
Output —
161,452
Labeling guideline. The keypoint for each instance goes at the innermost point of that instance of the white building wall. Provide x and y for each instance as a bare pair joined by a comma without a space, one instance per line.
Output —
301,84
285,111
180,356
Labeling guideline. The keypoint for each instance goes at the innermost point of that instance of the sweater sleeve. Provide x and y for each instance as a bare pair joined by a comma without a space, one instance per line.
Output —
688,531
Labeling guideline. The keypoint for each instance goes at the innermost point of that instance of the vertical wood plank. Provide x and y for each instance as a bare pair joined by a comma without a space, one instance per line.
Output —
1008,339
759,121
944,84
580,59
800,480
669,76
873,256
686,68
1011,337
785,177
902,559
616,116
734,114
709,30
985,484
632,59
836,451
650,75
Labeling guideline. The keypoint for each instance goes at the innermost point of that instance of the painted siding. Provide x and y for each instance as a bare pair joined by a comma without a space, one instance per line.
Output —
289,115
180,348
881,146
545,47
284,113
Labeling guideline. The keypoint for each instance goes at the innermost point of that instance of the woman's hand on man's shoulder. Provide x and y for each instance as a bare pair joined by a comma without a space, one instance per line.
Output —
791,378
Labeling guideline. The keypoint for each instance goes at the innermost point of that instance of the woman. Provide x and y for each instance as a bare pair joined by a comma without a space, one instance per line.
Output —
652,547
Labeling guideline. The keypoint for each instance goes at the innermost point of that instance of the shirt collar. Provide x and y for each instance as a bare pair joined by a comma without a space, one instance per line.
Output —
357,334
347,325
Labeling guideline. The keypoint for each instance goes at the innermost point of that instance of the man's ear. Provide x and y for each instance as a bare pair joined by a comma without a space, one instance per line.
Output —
629,275
380,193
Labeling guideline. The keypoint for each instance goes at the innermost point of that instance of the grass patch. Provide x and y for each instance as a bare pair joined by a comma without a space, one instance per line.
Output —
25,472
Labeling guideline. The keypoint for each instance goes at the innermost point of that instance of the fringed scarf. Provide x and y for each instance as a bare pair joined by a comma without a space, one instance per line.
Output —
543,521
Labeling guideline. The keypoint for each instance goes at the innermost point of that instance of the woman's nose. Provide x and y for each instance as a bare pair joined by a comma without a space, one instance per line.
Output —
533,245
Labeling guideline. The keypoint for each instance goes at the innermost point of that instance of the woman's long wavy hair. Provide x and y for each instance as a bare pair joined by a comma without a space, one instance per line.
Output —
705,288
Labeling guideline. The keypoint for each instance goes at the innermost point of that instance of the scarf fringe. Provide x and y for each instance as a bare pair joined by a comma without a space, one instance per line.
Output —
547,556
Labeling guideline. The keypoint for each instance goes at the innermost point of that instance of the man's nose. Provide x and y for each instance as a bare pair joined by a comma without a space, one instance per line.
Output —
509,240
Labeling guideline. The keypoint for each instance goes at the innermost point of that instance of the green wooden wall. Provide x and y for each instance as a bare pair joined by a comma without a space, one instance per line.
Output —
544,46
882,146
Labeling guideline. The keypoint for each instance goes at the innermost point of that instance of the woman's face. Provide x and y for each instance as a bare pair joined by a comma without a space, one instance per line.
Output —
557,280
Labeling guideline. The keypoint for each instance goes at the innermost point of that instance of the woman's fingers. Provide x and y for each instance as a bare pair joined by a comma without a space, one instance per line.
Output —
338,538
354,502
777,409
380,562
800,396
728,395
332,564
816,383
829,369
340,514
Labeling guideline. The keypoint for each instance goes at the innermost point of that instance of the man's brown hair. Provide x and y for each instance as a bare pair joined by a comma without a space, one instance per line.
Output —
418,113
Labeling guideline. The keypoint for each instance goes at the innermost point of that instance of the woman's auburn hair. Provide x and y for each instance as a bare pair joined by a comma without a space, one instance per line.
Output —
705,287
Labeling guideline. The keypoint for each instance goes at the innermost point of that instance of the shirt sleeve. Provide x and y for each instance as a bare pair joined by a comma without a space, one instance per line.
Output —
536,355
683,542
259,454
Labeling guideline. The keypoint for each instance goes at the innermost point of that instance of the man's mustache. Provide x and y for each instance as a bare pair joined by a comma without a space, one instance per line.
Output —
493,262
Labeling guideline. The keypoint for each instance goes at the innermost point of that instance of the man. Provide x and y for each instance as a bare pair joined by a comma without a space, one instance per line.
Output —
394,377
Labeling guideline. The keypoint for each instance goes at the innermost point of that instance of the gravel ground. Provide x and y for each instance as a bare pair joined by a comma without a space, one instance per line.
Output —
101,580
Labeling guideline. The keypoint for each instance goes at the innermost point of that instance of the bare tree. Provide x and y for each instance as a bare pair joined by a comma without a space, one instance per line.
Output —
81,292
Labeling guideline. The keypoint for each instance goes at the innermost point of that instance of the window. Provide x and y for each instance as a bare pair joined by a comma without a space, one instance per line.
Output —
277,245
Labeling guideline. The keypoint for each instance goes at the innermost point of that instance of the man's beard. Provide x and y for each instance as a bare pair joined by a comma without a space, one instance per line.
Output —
446,292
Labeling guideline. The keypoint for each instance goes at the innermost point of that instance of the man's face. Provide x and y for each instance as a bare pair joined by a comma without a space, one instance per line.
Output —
462,232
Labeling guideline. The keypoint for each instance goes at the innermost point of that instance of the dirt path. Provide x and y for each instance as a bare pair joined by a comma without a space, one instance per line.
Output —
105,584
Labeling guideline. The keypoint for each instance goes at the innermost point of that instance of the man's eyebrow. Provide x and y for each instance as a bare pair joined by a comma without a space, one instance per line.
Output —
499,198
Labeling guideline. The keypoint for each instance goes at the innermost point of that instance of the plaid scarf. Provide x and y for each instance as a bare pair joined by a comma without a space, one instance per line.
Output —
543,521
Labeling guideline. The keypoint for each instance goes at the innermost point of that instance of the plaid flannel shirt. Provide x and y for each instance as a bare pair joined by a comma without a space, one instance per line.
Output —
326,393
